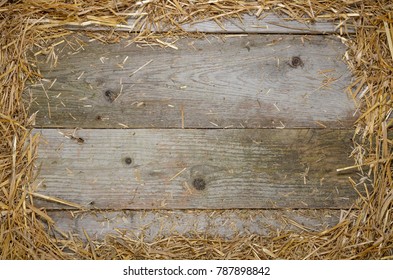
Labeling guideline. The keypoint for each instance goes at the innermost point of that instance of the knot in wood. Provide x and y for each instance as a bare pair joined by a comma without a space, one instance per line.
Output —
199,184
128,160
110,95
296,62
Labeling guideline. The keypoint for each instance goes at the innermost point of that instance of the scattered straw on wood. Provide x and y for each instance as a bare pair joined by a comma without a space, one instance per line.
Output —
364,232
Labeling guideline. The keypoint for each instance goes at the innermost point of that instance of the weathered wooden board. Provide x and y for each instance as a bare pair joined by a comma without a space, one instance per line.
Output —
160,224
266,24
241,82
196,169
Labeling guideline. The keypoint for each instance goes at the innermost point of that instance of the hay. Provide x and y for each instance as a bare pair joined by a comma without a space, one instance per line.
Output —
364,232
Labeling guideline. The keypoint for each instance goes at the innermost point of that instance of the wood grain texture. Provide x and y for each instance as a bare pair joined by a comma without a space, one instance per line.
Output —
196,169
160,224
266,24
241,82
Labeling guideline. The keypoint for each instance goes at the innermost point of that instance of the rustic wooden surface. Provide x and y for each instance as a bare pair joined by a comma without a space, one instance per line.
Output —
241,82
151,225
232,80
196,169
266,24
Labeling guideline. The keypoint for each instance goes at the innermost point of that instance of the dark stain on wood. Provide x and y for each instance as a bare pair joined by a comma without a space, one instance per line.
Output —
79,140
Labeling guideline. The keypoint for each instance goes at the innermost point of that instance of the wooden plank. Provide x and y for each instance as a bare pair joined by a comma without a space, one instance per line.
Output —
241,82
266,24
196,169
160,224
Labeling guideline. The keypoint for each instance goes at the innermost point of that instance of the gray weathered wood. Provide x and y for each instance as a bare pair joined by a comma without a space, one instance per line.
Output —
160,224
162,169
235,82
242,82
266,24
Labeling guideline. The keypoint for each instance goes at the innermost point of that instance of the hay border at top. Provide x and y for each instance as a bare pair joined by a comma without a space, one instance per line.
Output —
364,232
